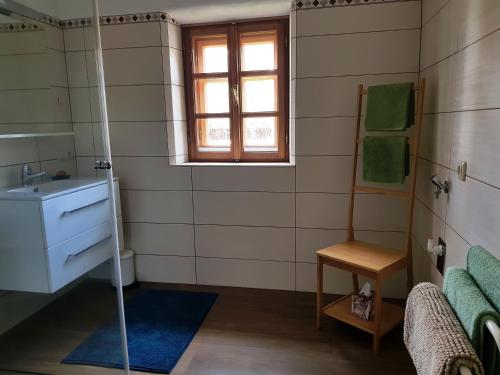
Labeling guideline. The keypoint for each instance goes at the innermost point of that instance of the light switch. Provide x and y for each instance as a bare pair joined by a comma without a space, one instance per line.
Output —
462,170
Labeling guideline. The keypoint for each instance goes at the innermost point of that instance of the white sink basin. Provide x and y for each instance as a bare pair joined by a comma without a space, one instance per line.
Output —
49,189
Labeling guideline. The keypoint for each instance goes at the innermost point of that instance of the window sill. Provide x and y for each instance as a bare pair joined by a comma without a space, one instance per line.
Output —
223,164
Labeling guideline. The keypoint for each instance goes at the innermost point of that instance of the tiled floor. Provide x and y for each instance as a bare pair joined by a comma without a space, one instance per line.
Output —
247,332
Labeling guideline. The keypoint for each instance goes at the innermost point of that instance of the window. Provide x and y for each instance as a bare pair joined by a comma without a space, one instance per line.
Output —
237,91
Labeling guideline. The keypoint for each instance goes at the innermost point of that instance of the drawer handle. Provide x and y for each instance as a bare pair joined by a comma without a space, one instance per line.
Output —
83,207
70,257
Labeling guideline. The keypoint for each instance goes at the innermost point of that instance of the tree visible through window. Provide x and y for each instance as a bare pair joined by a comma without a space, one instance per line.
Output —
237,91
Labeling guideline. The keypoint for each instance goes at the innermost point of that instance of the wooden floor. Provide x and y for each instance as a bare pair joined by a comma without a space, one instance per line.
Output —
247,332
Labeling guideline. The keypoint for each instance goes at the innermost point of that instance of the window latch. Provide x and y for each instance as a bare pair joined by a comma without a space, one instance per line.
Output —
236,94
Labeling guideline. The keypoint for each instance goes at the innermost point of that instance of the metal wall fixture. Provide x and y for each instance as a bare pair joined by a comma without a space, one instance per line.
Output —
439,186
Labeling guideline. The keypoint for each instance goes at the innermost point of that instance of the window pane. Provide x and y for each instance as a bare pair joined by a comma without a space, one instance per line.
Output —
213,135
258,51
260,134
211,54
212,95
259,94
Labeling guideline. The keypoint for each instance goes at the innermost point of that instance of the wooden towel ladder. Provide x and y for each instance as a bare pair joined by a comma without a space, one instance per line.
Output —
370,260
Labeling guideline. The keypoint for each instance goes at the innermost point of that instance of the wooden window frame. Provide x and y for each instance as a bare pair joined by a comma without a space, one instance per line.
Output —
232,31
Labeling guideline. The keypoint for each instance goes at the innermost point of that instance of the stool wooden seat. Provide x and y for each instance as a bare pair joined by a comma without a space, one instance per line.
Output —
370,260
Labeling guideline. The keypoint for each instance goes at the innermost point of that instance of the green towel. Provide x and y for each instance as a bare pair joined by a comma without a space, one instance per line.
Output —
485,269
390,107
472,310
385,159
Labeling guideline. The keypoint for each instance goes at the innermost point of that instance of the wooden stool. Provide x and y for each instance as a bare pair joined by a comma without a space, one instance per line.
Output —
374,262
370,260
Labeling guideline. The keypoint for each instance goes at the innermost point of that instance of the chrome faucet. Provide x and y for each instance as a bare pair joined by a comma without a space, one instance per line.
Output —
28,176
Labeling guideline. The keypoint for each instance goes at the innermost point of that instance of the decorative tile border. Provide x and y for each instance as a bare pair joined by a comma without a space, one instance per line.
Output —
18,27
314,4
81,22
119,19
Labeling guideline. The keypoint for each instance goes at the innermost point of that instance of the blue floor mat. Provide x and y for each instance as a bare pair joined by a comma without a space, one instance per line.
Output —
160,326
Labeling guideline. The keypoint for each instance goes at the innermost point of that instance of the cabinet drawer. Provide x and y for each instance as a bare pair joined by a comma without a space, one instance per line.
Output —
74,213
72,258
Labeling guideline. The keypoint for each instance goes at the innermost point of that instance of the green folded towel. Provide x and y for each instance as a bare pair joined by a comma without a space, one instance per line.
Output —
385,159
390,107
485,270
472,310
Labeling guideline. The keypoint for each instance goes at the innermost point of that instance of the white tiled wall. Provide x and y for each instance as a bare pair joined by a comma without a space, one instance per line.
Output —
253,226
461,61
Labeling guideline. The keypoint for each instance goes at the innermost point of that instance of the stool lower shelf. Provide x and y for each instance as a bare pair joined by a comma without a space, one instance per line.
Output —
340,309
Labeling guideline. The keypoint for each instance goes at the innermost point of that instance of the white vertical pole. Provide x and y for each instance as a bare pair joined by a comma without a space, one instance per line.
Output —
111,188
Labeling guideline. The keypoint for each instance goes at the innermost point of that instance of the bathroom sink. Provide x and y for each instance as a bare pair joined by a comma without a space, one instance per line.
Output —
49,189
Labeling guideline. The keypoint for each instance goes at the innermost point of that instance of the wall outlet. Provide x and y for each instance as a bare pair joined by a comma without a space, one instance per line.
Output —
441,258
462,170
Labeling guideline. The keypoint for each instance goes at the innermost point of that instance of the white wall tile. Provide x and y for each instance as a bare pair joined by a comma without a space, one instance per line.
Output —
16,151
435,144
173,66
73,39
77,69
425,188
426,225
456,249
177,138
133,66
175,103
238,208
439,36
473,212
327,211
171,35
157,206
325,136
476,139
136,103
378,212
354,54
80,104
311,240
337,96
476,75
85,166
476,19
62,147
376,17
145,34
393,240
324,174
165,269
24,71
150,173
430,8
245,242
244,179
160,239
246,273
138,138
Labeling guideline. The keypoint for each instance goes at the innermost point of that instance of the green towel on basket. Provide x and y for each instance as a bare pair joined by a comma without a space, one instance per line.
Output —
385,159
472,310
390,107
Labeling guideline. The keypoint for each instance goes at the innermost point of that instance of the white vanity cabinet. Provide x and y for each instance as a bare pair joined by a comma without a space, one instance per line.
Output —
53,236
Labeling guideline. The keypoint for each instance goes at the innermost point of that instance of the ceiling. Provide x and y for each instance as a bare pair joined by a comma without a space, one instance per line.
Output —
200,11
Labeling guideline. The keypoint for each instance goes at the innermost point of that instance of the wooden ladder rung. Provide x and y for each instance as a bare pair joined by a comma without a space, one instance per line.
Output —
365,91
397,193
411,142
